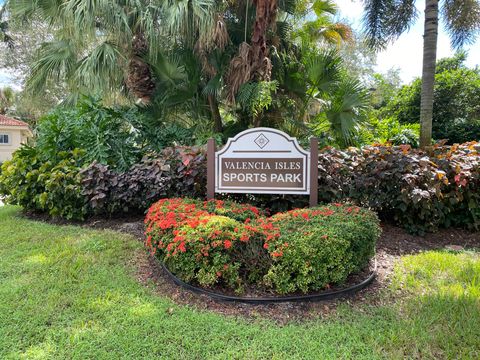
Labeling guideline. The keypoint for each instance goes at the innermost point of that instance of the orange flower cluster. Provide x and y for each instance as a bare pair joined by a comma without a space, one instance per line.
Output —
171,223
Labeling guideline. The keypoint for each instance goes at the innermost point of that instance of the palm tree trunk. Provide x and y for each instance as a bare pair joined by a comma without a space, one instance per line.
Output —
428,72
217,119
266,15
139,79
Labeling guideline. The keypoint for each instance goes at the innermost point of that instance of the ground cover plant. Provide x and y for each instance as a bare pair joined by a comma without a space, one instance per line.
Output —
235,245
71,292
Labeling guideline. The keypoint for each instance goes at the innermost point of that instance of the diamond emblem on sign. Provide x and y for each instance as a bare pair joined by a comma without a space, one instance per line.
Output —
261,141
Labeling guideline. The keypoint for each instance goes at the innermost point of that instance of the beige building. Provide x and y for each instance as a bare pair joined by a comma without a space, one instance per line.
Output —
13,133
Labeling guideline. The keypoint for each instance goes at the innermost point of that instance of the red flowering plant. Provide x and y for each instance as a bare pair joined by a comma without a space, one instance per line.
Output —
214,249
234,245
165,216
198,245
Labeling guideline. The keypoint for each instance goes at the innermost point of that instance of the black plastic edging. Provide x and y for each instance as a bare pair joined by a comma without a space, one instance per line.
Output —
327,295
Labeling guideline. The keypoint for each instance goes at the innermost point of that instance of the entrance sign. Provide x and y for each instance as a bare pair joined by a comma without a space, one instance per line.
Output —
263,161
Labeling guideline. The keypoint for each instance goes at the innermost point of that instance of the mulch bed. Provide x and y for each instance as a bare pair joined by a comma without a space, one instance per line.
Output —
394,242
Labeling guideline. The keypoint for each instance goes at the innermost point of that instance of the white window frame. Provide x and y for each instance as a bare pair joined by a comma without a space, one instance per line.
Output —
9,138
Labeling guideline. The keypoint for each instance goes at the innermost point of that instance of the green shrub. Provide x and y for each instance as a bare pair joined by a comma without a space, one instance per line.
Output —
388,130
109,192
302,250
456,114
44,186
206,250
320,246
419,191
196,244
188,170
104,133
18,180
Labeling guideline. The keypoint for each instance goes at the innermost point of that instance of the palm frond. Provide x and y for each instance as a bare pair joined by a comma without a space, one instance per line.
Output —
213,86
462,20
323,70
375,19
347,109
320,7
255,97
169,69
101,70
186,17
385,20
287,6
56,60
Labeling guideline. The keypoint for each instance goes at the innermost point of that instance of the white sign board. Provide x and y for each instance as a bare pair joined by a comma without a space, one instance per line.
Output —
262,161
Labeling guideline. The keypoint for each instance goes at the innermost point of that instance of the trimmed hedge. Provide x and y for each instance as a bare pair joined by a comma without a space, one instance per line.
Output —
235,245
179,171
418,190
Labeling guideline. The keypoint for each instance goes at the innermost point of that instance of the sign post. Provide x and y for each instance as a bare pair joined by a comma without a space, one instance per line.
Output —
263,161
210,169
313,172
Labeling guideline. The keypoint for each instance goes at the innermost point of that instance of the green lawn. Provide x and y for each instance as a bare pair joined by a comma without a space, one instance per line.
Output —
68,292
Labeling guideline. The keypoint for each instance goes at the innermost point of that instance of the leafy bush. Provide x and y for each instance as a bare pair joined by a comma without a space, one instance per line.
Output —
135,190
389,130
188,170
53,187
153,135
406,137
320,246
419,191
179,171
104,133
197,244
456,114
235,245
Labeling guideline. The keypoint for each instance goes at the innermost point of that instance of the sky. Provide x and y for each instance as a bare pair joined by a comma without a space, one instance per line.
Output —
405,53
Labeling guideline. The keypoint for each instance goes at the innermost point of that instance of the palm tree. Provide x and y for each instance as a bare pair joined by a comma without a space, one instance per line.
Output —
385,20
104,46
323,29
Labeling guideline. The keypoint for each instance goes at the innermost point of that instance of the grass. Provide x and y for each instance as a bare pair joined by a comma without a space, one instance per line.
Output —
69,292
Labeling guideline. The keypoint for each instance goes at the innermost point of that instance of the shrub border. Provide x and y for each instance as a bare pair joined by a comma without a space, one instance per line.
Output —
327,295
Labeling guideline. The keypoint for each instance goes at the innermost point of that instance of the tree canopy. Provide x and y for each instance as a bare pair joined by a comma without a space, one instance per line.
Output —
456,115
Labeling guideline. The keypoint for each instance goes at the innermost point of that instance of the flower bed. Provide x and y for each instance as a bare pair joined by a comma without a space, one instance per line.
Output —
222,243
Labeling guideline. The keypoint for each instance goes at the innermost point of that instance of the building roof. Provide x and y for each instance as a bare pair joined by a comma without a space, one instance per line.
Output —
7,121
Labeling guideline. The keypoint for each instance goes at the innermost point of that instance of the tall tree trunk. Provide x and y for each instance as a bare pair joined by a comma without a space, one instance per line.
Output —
428,72
139,79
266,15
217,119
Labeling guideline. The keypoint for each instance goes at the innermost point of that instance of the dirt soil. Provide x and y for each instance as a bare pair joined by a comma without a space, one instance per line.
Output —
393,243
